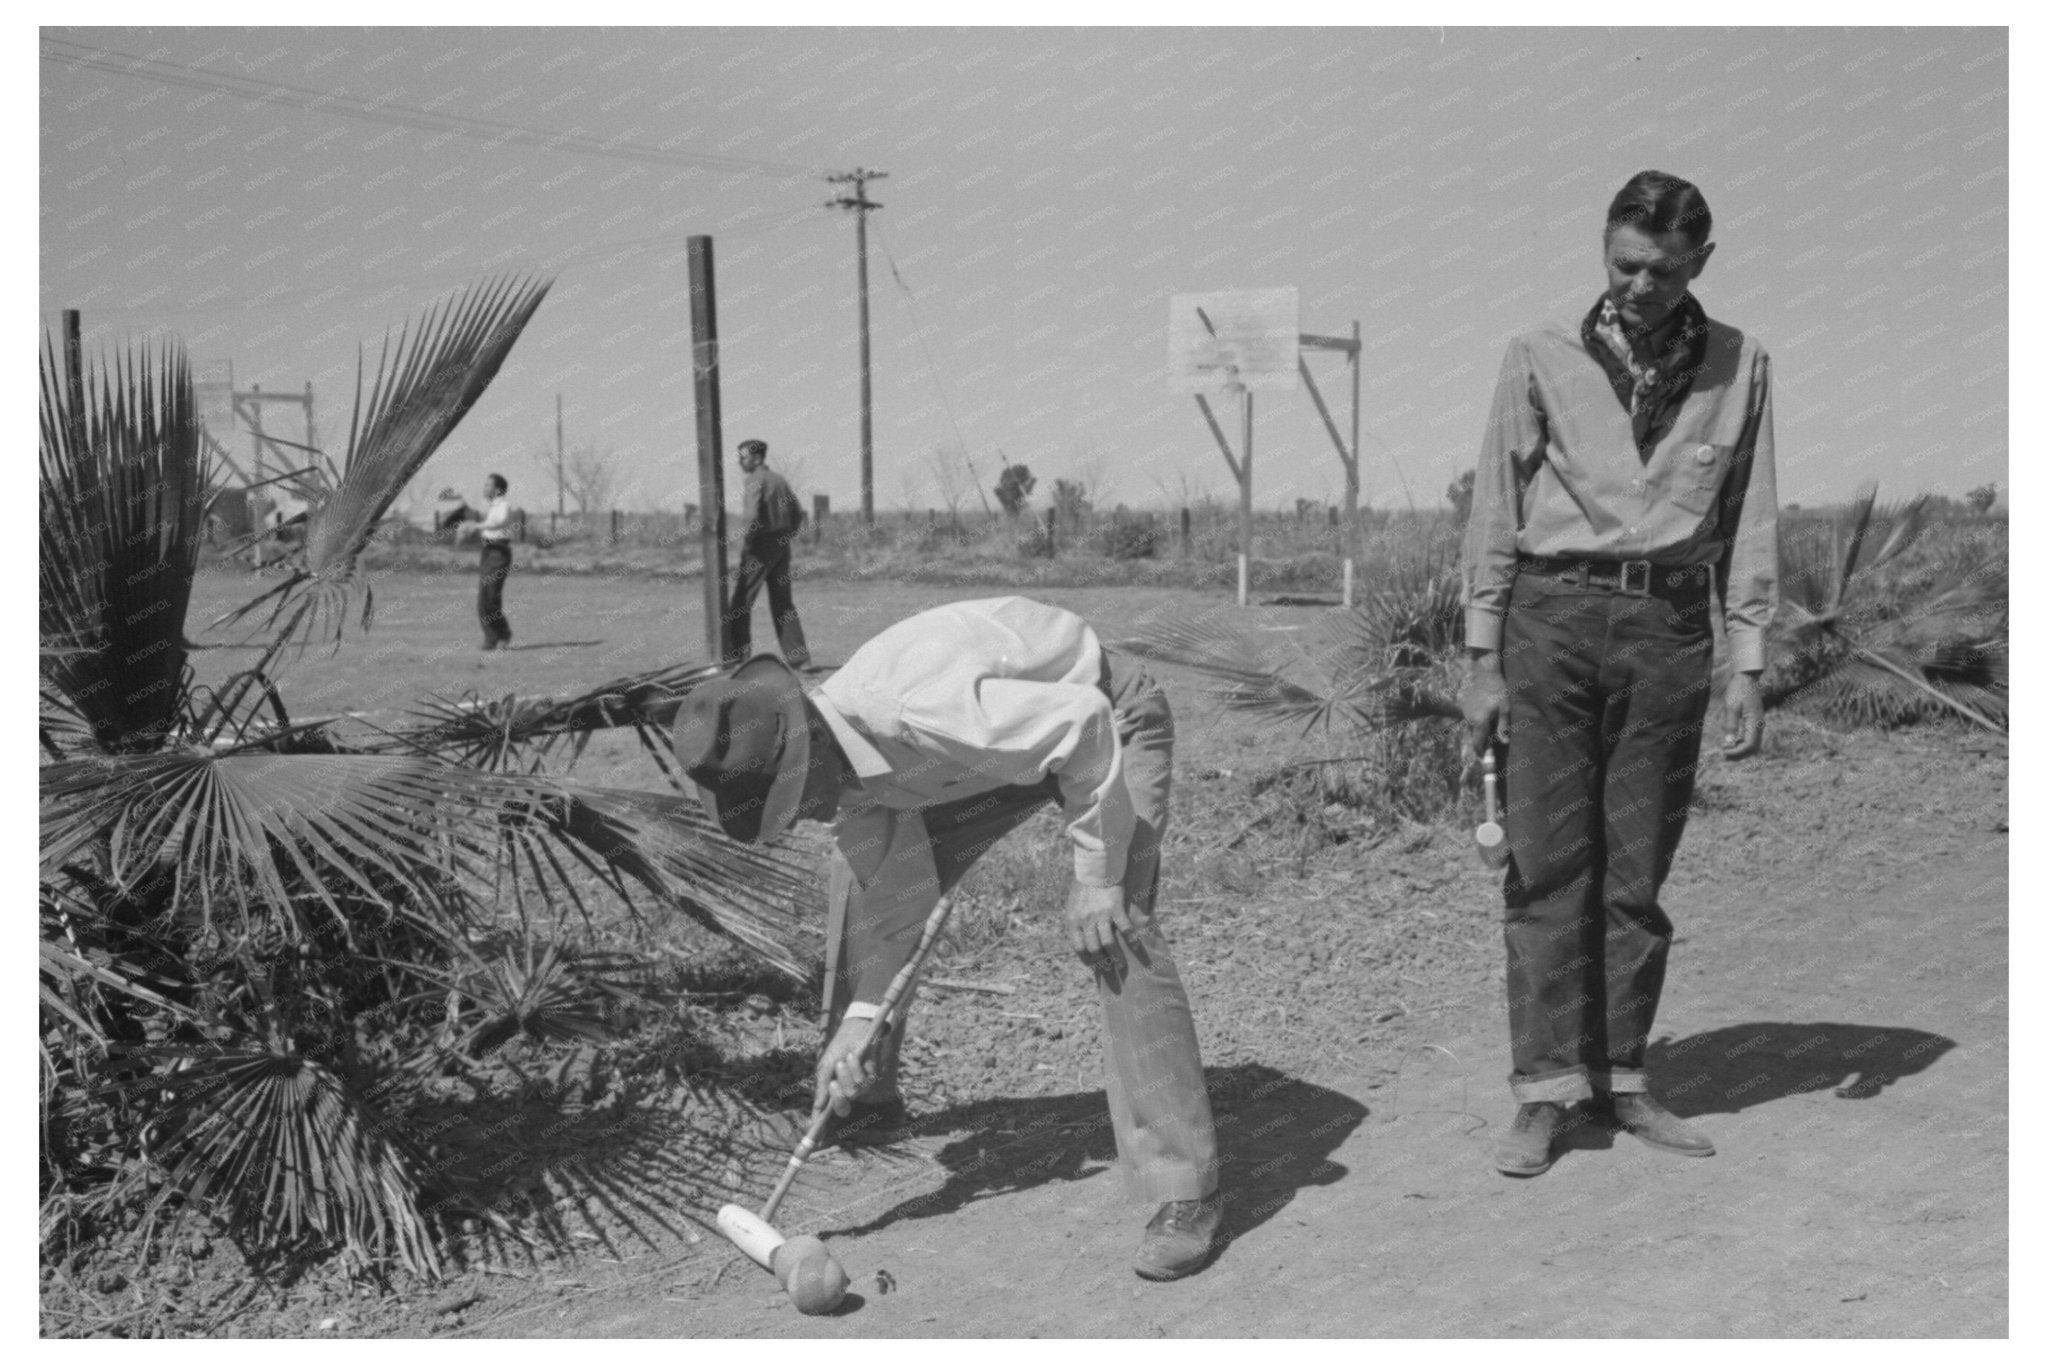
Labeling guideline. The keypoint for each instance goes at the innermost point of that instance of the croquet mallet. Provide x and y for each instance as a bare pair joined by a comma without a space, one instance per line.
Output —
813,1278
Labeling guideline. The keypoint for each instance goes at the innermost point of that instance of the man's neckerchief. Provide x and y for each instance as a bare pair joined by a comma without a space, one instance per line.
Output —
1651,393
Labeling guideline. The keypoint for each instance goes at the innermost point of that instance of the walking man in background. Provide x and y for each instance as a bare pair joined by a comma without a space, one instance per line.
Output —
1626,485
938,737
773,518
495,565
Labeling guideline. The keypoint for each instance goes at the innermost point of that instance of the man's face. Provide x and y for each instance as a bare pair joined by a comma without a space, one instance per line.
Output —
493,489
1648,274
752,459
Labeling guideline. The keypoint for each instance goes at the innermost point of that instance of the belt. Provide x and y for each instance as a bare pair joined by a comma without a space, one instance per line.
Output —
1635,577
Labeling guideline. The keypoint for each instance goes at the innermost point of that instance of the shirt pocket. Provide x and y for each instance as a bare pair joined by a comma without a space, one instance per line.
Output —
1696,481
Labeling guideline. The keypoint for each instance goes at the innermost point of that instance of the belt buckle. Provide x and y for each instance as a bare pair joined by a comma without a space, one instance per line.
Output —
1631,571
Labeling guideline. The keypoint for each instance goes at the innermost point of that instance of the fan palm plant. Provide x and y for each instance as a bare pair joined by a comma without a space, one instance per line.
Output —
1383,675
1883,635
250,930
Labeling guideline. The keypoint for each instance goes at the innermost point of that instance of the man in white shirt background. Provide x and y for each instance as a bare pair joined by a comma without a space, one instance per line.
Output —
495,565
937,738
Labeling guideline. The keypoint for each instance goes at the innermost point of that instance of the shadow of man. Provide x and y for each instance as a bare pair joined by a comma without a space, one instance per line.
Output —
1726,1070
1275,1136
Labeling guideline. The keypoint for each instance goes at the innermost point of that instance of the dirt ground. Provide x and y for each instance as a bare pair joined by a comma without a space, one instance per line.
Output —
1836,1019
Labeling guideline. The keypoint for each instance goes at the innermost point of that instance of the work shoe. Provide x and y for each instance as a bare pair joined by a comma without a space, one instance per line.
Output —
1643,1116
1525,1149
1179,1238
872,1123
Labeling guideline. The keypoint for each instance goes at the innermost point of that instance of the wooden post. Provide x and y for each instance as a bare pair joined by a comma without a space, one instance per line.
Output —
1187,532
74,378
1244,510
1351,466
312,433
1052,521
710,443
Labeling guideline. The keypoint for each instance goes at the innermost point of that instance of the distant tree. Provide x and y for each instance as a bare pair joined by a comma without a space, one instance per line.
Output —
1981,499
592,476
1070,500
1459,495
948,465
1013,488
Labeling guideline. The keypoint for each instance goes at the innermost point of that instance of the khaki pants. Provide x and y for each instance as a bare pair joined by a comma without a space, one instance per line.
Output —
1158,1100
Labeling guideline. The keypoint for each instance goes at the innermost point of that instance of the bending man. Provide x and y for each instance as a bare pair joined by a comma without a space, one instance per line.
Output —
936,739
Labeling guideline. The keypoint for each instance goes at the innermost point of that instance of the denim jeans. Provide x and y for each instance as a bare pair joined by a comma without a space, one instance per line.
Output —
1607,694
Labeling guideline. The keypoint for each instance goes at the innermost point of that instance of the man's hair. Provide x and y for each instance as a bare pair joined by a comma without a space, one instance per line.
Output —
753,444
498,479
1656,202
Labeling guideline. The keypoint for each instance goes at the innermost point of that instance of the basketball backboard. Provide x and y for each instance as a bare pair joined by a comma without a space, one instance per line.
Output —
1221,341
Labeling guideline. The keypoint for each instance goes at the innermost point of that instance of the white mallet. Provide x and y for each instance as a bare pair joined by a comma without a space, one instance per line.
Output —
1491,839
812,1277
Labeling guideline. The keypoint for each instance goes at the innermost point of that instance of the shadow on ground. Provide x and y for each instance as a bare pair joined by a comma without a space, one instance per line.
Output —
1275,1136
1727,1070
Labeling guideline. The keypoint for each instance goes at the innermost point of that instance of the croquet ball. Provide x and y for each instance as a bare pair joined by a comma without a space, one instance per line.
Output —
814,1280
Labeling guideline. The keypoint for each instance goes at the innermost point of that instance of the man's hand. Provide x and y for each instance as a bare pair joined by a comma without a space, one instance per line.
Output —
1744,706
1094,915
1483,699
841,1077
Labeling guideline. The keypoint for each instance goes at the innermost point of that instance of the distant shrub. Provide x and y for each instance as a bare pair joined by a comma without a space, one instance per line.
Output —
1036,542
1129,538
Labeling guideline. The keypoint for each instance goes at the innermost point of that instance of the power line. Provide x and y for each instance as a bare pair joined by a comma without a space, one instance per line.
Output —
931,365
763,223
493,131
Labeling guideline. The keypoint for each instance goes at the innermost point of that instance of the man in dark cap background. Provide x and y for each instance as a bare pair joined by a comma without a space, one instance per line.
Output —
1626,490
774,516
936,739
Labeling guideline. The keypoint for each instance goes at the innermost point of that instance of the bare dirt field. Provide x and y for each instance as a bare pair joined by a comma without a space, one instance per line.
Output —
1836,1019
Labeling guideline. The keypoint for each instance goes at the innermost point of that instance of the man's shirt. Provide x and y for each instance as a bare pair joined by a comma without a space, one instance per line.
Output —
772,508
496,528
1567,470
961,700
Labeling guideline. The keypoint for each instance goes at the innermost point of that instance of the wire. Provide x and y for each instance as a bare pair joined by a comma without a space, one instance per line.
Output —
163,72
284,296
932,366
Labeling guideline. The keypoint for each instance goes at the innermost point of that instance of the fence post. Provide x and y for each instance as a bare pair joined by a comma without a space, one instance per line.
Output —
1052,523
821,508
519,527
1187,532
615,526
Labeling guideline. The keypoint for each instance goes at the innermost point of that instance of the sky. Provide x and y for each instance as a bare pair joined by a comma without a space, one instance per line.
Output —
1047,193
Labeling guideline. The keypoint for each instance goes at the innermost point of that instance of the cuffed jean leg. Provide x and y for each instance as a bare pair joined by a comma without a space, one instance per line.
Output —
1658,678
1550,786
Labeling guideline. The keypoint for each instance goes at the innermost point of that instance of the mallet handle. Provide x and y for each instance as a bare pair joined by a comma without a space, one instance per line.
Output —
933,923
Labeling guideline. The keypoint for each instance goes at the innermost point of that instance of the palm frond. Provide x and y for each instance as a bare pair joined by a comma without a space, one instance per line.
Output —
1382,663
294,1155
510,732
271,836
122,504
426,380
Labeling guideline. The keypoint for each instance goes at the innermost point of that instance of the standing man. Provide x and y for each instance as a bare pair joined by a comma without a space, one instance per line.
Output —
1626,489
773,518
937,738
496,564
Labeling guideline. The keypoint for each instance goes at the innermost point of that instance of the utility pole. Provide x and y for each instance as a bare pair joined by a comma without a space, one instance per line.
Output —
561,504
710,445
861,205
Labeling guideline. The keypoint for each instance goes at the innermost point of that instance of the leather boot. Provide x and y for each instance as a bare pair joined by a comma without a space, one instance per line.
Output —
1525,1149
1643,1116
1179,1239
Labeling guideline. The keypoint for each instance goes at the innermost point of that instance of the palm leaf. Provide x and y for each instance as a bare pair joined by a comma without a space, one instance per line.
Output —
292,1152
426,380
122,503
271,836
